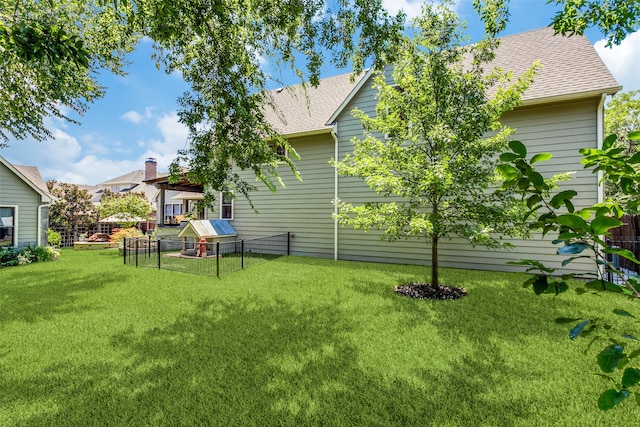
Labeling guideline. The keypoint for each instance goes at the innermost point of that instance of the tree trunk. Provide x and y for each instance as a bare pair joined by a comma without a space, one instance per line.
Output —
434,260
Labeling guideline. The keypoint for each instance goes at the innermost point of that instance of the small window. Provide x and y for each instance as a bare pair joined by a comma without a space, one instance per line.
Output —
278,149
226,206
7,224
171,213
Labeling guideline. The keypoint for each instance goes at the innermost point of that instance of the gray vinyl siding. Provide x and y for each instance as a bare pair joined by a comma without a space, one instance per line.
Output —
301,208
561,128
15,192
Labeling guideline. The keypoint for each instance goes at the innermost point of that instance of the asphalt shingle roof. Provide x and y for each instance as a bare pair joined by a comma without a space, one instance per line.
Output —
304,115
570,66
33,175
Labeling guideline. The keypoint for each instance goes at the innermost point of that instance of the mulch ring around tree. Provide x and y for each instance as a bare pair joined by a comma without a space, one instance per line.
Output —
426,291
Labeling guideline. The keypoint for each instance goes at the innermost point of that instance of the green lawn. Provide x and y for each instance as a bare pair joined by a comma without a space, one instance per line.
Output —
295,341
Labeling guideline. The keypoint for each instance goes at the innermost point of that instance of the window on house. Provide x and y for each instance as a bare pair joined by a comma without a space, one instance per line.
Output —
7,224
171,212
278,149
226,206
192,207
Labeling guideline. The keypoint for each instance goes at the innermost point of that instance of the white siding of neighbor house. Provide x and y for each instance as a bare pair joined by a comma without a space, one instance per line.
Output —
302,208
561,128
15,192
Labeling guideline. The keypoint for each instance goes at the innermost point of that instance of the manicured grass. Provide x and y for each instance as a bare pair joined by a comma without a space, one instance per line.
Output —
295,341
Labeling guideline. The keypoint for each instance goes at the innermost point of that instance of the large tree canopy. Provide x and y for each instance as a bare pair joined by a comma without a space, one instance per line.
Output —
50,52
615,18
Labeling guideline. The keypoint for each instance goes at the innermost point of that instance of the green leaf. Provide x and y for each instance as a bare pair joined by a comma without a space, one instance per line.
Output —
508,171
625,253
573,221
612,397
609,141
602,224
634,136
535,178
518,148
621,312
509,157
610,358
577,330
559,199
533,200
573,249
541,157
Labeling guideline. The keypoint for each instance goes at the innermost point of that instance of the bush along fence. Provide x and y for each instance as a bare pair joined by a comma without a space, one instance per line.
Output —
210,258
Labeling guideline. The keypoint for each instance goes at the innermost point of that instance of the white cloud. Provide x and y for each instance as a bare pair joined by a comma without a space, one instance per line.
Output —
135,117
88,162
132,116
410,7
623,60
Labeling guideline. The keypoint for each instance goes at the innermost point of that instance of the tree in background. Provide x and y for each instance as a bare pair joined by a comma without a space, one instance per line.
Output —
72,210
430,156
622,117
125,206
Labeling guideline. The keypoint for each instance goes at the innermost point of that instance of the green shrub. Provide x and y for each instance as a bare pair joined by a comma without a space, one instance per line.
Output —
54,238
119,234
27,255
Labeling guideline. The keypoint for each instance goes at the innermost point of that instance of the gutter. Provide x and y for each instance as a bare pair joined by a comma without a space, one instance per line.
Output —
570,96
334,134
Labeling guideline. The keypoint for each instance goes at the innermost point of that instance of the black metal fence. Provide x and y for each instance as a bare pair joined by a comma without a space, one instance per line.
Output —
628,267
211,258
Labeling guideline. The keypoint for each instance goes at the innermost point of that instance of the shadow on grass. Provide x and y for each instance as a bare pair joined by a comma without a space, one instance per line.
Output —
35,293
248,363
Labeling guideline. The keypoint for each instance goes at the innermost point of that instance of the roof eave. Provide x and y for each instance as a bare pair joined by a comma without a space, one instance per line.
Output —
44,197
351,95
314,132
570,96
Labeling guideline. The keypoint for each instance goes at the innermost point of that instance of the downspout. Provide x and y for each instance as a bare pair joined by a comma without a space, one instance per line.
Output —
334,134
39,229
600,141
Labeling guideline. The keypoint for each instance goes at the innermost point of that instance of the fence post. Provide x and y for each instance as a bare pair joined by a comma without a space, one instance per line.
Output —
288,243
149,243
158,250
136,251
218,258
124,250
242,253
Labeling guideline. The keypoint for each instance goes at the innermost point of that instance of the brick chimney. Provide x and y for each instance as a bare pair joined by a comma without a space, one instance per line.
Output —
150,169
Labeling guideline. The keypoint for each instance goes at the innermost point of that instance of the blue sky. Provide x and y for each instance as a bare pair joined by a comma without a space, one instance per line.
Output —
138,116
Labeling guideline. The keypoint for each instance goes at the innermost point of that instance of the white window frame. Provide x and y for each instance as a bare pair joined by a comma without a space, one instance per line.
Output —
222,205
164,212
15,223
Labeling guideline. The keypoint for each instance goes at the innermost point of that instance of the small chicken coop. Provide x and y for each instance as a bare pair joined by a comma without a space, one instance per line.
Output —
211,230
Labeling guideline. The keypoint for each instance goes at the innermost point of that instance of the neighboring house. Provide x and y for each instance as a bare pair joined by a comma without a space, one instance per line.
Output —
24,206
132,182
561,113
